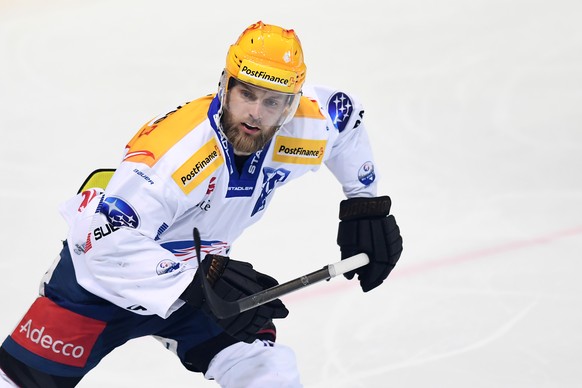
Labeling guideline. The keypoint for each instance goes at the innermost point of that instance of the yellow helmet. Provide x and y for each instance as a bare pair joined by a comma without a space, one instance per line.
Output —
268,56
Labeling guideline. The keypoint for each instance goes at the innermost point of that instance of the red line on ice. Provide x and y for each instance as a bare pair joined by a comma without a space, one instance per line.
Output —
414,269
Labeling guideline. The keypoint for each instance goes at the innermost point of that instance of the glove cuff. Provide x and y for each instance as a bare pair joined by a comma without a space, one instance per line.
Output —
360,208
213,266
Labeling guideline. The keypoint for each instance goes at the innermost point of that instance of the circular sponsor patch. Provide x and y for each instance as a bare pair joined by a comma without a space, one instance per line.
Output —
366,173
119,213
166,266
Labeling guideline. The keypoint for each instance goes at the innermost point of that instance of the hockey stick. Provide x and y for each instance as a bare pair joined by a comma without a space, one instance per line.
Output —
224,309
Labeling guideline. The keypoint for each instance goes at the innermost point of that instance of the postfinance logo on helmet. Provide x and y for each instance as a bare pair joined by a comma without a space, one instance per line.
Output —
267,77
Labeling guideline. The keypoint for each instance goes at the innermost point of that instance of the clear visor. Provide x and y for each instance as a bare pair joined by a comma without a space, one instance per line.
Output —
259,106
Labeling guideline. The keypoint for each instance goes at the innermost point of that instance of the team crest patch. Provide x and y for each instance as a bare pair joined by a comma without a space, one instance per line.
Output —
119,213
271,177
340,108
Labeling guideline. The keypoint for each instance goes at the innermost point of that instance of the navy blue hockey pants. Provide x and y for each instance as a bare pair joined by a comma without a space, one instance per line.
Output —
68,331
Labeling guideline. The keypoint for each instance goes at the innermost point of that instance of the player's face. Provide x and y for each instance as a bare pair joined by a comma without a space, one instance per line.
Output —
252,115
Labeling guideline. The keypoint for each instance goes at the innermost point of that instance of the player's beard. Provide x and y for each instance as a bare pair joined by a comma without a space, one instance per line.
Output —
242,142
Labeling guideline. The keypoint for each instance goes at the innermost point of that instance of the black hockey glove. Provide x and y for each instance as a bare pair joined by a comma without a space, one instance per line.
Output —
366,227
233,280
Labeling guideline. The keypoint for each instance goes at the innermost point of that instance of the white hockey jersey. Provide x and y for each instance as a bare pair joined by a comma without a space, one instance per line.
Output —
132,243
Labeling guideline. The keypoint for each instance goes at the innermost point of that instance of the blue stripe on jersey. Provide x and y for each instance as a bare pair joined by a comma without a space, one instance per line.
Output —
242,185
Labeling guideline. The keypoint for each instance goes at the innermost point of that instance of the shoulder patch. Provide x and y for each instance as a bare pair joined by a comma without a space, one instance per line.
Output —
119,213
340,108
159,135
199,167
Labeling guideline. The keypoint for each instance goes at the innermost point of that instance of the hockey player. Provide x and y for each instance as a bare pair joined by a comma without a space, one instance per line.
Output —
128,267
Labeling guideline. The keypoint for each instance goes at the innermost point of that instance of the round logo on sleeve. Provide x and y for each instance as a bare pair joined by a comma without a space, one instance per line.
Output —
119,213
167,266
366,173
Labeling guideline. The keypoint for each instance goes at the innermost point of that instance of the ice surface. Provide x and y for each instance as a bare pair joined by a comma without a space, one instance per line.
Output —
475,111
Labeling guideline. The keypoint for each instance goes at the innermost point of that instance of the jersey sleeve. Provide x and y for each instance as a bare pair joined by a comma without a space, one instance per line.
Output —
351,159
123,262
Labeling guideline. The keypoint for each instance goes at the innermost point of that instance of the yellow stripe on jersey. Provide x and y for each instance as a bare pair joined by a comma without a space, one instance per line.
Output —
309,108
159,135
199,167
298,151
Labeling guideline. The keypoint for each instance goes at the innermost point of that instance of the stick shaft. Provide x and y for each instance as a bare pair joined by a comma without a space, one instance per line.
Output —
327,272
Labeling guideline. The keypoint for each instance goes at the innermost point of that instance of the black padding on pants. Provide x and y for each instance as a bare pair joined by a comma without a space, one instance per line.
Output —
27,377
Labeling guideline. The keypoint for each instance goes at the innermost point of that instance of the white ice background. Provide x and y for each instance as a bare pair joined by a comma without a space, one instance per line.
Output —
475,111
